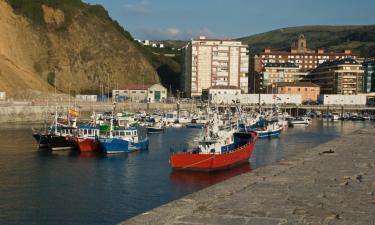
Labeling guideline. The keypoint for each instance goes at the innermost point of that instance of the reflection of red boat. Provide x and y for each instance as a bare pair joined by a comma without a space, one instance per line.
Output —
186,180
229,155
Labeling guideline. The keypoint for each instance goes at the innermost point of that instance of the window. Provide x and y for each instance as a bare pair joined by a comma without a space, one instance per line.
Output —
150,92
134,92
299,89
289,89
305,89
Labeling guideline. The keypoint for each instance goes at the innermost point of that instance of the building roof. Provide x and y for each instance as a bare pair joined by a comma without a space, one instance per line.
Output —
296,84
281,52
225,87
134,87
337,62
289,65
369,62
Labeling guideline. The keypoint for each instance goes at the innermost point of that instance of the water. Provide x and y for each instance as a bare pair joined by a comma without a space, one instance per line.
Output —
39,187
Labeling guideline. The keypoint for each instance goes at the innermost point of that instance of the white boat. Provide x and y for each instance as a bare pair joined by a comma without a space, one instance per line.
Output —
299,121
335,117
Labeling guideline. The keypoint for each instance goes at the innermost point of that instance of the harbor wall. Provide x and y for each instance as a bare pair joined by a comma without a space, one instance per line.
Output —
267,99
332,183
26,112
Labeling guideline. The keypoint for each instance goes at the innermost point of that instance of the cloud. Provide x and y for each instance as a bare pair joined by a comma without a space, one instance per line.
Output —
142,8
173,33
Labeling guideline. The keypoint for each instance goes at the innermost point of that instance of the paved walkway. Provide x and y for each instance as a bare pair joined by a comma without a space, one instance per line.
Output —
333,183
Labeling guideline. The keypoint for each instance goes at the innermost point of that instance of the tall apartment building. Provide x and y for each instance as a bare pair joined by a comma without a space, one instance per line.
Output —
369,75
341,76
212,62
306,59
279,72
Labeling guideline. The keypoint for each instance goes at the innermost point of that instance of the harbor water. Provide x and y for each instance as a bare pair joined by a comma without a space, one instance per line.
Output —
43,187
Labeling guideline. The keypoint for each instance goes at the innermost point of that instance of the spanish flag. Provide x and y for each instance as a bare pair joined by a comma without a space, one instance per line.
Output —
73,113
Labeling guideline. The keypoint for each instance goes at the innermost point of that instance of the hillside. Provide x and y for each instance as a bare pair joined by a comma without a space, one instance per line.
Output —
71,44
361,39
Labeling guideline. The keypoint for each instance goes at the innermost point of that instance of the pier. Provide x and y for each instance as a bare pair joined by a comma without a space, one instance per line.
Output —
332,183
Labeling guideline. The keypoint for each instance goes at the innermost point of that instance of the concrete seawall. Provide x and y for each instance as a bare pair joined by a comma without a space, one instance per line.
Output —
333,183
35,113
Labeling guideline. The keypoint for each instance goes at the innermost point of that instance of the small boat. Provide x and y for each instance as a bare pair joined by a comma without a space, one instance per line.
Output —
357,118
86,140
271,130
55,138
335,117
195,124
298,121
123,140
157,128
216,150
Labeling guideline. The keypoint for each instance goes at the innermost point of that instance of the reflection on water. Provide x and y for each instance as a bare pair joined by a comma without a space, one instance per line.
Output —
44,187
188,180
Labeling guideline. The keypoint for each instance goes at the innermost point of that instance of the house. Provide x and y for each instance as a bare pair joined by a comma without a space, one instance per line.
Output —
157,93
307,90
140,93
2,96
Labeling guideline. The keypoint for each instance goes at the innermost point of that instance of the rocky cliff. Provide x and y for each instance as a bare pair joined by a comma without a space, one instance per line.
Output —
72,45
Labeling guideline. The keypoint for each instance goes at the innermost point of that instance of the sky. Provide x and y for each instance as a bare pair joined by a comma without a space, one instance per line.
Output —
186,19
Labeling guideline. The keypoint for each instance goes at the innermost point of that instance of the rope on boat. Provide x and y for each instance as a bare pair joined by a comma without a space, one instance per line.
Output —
198,162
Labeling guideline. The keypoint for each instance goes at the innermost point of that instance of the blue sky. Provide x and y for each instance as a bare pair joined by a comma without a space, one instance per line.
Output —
182,19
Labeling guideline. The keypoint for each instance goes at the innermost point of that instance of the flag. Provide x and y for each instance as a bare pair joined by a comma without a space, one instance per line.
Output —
73,113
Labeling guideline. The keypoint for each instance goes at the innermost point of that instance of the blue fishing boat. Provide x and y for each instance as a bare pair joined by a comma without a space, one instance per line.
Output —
264,128
123,140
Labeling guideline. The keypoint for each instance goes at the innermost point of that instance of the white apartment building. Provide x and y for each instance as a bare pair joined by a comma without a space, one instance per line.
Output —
212,62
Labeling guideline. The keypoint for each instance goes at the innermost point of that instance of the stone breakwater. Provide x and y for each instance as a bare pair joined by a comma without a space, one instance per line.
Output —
38,113
333,183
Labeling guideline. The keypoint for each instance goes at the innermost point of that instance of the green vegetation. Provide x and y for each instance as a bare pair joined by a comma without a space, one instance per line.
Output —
51,78
32,9
361,39
168,68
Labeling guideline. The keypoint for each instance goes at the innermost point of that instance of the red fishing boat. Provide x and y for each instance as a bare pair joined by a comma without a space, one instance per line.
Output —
86,140
216,151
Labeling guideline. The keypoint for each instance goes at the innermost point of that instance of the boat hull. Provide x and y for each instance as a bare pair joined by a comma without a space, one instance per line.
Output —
41,139
195,125
268,134
154,130
117,146
212,162
86,144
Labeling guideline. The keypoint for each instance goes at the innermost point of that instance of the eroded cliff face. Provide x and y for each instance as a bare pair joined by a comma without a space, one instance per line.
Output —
77,55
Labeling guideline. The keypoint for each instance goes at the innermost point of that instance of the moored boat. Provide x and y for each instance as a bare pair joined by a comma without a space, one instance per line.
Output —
123,140
217,149
211,155
86,140
157,128
299,121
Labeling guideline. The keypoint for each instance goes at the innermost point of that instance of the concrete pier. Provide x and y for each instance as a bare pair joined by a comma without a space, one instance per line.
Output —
333,183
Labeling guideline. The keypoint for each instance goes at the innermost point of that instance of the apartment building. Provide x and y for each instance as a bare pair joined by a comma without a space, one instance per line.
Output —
369,75
304,58
213,62
280,72
341,76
